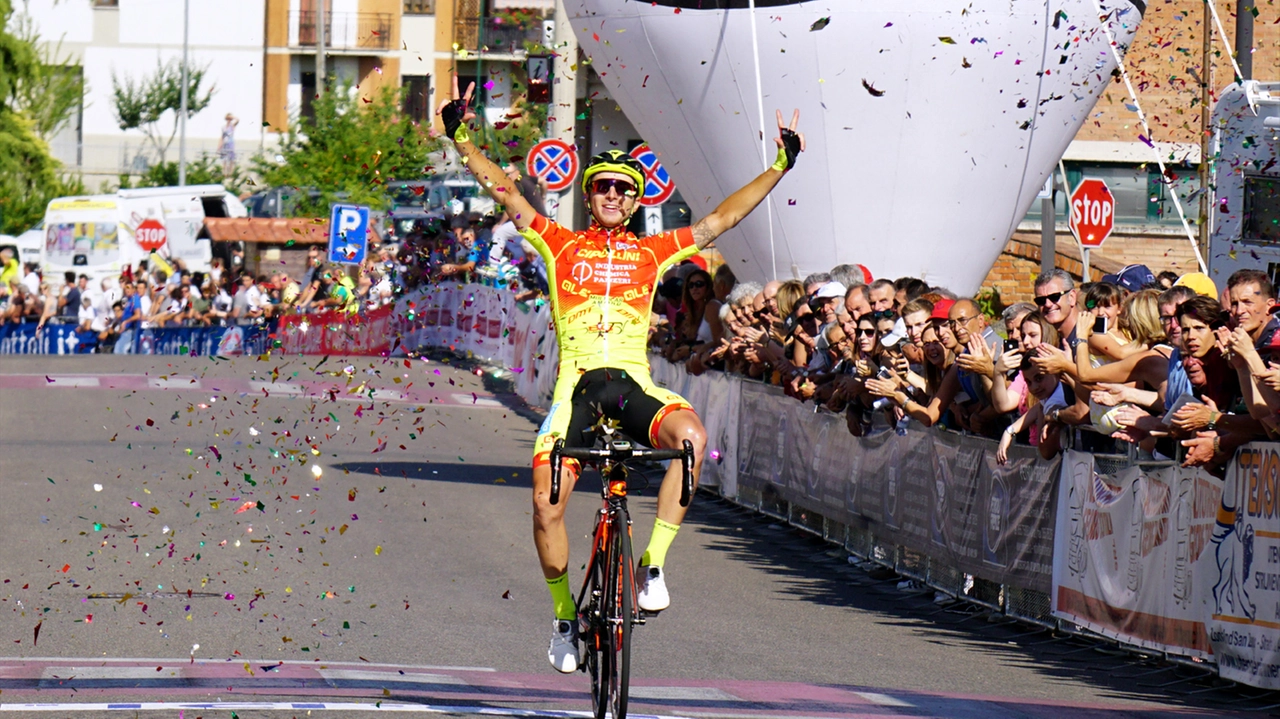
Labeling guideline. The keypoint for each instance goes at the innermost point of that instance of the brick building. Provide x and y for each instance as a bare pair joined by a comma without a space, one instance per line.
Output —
1164,65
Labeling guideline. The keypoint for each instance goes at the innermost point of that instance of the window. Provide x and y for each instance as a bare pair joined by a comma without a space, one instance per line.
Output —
417,97
419,7
1261,210
1142,195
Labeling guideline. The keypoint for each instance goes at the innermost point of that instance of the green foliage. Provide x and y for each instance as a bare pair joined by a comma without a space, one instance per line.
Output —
28,173
350,148
204,170
989,302
511,138
141,104
50,92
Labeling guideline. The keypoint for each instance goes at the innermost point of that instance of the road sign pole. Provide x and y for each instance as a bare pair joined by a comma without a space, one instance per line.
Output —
1084,259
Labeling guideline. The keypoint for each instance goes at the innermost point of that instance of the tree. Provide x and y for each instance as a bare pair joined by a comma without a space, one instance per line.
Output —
203,170
142,105
28,172
52,90
349,149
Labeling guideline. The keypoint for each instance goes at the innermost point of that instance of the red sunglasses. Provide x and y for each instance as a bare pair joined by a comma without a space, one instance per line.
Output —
623,187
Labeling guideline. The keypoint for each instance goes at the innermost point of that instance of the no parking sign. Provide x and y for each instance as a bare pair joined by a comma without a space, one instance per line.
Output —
658,185
554,162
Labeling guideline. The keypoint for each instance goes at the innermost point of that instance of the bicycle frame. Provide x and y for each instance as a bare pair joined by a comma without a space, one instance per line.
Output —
607,607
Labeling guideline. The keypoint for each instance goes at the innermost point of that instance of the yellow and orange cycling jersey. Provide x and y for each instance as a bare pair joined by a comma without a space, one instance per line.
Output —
602,284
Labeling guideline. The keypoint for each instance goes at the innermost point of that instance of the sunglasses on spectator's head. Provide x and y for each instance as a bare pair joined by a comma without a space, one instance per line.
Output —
603,185
1046,299
882,315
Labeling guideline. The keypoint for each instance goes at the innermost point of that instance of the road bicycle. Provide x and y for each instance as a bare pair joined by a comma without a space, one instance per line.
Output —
607,603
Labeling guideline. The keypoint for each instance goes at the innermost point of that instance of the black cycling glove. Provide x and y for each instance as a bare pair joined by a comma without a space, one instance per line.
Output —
789,150
452,115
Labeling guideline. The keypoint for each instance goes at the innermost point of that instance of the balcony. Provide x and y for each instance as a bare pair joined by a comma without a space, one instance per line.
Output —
499,35
342,30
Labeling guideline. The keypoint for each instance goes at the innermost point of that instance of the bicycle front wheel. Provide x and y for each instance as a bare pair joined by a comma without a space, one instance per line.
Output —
622,595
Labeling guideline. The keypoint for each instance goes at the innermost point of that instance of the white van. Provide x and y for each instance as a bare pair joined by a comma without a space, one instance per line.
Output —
100,235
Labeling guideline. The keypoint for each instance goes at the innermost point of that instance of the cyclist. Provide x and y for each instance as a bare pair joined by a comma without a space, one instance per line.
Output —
602,282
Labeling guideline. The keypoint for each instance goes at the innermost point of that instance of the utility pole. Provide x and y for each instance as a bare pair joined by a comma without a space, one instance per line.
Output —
1206,72
1244,37
182,112
320,46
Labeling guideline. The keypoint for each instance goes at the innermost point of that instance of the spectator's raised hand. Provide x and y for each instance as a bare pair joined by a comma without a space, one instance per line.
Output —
752,334
1108,394
901,365
1271,377
1008,361
978,359
1051,360
881,387
1194,415
1129,416
1237,345
1200,449
1084,324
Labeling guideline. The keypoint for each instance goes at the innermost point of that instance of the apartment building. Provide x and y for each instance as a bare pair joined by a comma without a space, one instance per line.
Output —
260,59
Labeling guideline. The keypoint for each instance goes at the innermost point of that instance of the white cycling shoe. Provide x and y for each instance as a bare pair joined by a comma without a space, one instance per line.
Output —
563,651
653,595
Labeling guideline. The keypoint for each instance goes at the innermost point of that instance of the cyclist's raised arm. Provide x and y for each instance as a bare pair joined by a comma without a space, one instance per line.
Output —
455,113
737,206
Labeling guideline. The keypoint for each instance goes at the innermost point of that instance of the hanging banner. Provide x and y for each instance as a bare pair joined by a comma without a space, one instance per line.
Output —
1131,559
1241,578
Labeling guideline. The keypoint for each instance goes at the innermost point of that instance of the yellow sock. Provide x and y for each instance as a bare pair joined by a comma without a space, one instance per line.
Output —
562,597
663,534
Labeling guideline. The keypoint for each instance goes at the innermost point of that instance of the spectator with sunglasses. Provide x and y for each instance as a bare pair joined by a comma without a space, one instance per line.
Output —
1055,293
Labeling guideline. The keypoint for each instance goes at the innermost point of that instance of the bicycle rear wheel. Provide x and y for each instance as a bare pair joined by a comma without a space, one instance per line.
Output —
623,574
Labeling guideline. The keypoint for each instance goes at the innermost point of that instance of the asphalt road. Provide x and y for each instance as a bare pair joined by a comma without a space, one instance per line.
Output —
179,532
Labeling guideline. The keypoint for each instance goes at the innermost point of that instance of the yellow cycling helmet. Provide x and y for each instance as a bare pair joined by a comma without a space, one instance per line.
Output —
613,161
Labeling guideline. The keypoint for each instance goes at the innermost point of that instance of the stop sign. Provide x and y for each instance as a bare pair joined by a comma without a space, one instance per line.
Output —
1092,212
151,235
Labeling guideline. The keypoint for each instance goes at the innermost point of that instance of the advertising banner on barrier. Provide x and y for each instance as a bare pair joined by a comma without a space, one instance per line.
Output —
337,333
1241,577
1130,560
935,492
22,339
63,339
714,396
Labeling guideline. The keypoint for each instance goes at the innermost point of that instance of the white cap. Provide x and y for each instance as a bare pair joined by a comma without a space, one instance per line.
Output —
830,290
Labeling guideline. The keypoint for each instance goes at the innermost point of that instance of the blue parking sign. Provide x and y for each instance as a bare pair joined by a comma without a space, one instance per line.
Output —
348,234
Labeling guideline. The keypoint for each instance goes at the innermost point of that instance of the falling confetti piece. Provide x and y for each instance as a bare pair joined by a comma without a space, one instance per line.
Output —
872,89
946,40
316,471
819,24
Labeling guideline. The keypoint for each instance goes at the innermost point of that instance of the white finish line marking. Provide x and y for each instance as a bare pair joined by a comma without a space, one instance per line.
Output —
62,674
56,381
883,700
357,675
683,694
173,382
308,706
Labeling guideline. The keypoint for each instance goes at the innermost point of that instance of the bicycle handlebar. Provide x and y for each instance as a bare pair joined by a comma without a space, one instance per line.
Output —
618,453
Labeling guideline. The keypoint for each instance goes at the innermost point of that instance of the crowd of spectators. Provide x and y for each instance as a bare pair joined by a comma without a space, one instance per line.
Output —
119,311
1164,362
